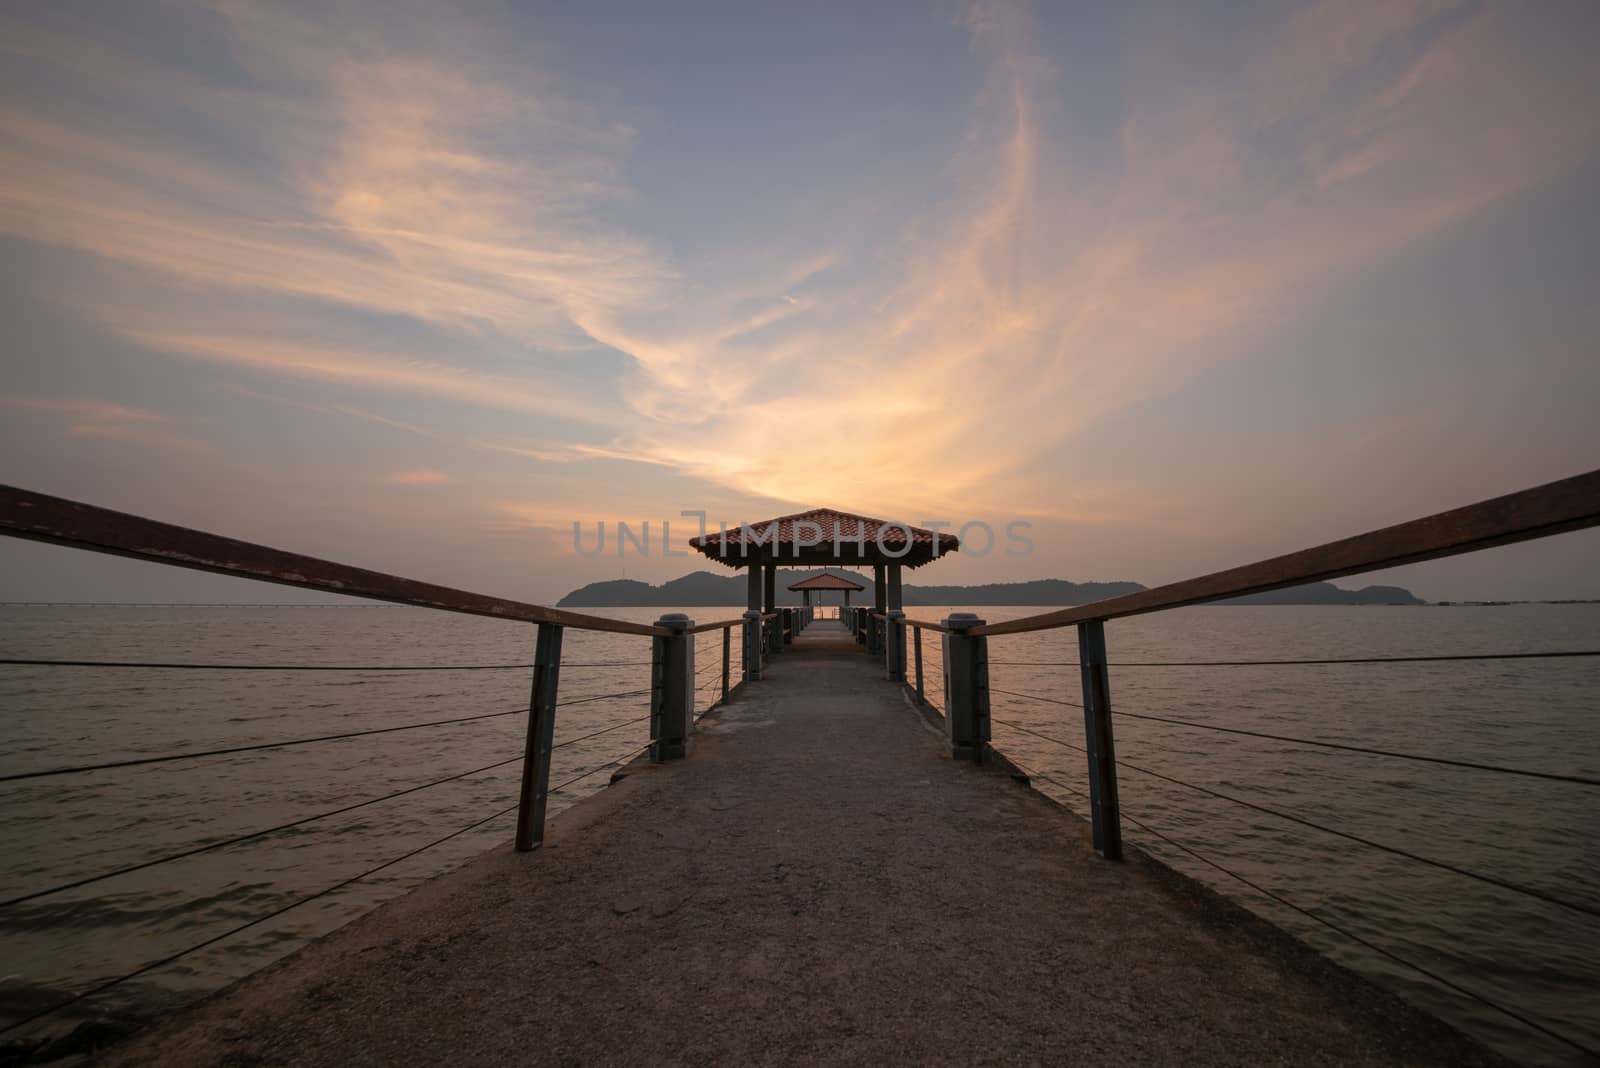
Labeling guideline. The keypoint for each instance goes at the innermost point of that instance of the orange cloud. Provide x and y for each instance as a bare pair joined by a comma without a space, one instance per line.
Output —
417,476
89,418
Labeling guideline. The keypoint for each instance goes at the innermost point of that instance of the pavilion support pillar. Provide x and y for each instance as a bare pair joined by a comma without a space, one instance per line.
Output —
770,606
895,631
752,624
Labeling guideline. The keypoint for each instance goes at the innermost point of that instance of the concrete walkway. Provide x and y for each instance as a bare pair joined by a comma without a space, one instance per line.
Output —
818,883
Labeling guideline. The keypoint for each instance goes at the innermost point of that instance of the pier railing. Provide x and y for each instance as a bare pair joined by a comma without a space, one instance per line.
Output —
1568,505
678,693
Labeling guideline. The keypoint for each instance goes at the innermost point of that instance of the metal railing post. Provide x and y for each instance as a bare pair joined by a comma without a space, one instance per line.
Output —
541,734
672,689
966,680
727,655
918,633
752,645
1103,805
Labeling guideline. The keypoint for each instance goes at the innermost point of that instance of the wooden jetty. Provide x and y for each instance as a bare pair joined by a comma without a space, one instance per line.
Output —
821,867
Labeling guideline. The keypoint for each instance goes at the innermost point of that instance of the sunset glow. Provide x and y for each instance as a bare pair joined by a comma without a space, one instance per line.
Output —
1178,290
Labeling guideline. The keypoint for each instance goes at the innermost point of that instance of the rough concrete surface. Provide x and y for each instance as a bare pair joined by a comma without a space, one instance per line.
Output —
818,883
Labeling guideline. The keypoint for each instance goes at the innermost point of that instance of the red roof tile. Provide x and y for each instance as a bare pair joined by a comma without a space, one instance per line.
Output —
826,582
828,523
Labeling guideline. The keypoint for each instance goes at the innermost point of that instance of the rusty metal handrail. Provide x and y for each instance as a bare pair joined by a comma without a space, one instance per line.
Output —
1554,508
58,521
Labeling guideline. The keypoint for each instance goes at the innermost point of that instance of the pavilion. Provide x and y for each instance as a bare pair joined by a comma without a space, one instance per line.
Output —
827,538
819,583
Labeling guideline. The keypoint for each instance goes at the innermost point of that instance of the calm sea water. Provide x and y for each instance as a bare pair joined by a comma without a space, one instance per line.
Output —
1539,958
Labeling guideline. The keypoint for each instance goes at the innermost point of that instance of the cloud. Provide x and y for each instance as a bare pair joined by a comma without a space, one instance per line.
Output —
417,476
383,184
89,418
376,371
424,170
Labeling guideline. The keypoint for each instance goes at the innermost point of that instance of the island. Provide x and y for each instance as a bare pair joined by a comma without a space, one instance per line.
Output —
706,588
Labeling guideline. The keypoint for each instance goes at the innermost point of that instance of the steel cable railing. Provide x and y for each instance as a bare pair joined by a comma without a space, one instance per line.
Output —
1387,954
1583,780
265,831
74,524
189,666
1551,776
1036,697
1554,655
601,697
253,748
1329,924
257,747
274,913
1489,880
1564,902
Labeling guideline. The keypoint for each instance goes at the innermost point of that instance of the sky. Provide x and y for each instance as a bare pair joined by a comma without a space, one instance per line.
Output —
418,287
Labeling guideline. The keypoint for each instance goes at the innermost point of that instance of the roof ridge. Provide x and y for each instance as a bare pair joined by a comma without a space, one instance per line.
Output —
858,517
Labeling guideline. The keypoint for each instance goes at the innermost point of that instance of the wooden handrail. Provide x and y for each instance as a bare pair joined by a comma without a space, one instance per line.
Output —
58,521
1554,508
721,624
923,624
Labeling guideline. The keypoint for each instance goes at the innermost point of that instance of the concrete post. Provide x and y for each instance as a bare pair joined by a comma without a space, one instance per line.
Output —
789,623
966,687
895,652
752,624
672,689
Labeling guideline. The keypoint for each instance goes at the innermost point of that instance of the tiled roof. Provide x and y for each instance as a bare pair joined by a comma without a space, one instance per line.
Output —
826,524
827,582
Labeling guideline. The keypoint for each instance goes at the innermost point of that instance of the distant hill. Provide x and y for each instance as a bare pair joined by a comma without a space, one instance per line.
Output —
1037,592
707,588
1328,593
701,588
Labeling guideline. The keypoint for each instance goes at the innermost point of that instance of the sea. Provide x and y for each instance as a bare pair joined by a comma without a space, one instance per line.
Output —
1535,954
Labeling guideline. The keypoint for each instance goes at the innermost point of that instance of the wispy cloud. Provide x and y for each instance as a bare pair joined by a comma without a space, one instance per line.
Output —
417,476
88,418
376,372
430,216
